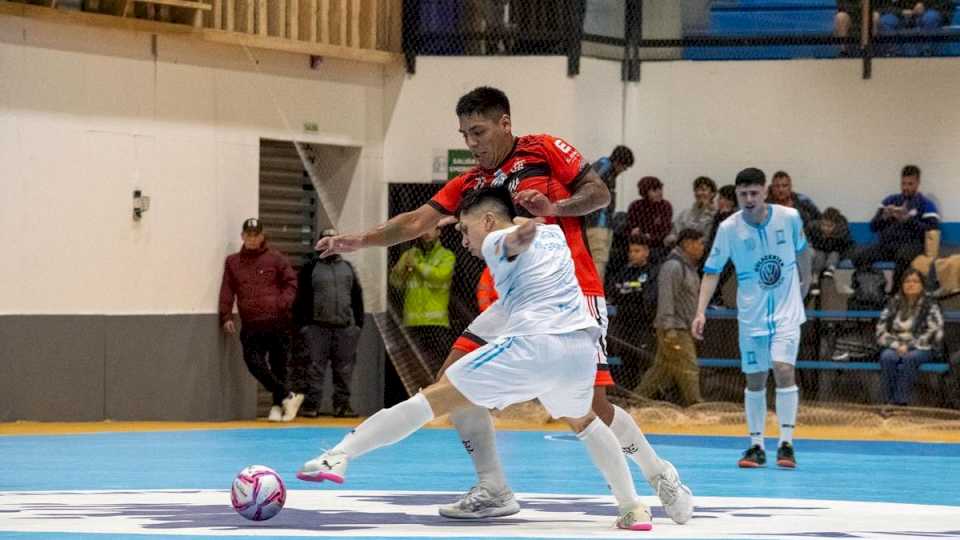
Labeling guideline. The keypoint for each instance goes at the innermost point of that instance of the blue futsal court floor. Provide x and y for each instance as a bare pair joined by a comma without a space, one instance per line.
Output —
146,485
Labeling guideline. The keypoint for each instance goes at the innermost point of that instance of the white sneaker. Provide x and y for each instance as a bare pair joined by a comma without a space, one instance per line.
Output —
276,414
327,466
677,499
482,502
291,405
635,518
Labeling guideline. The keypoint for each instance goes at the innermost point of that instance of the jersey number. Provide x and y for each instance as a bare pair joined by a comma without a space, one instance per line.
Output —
564,147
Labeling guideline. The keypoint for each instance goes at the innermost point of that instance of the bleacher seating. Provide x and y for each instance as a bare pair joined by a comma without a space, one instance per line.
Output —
790,18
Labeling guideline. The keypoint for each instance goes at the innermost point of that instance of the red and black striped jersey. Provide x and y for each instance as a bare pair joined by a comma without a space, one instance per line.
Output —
543,163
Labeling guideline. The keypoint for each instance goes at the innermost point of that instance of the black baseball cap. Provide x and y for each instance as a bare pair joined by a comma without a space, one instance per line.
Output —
253,225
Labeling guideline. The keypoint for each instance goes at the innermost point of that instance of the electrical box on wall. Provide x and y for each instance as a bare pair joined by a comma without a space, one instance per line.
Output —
141,204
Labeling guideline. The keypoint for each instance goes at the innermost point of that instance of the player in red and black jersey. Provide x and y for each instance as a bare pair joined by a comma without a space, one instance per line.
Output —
549,178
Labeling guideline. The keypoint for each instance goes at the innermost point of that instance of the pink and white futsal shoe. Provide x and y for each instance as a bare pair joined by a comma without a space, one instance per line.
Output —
330,466
635,518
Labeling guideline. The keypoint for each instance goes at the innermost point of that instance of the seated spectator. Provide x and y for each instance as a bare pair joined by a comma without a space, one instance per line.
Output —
781,192
895,15
901,224
633,290
651,216
890,16
678,287
600,222
726,206
698,217
831,242
910,328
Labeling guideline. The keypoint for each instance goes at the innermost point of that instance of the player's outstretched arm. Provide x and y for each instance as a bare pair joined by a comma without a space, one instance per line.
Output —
589,194
707,287
400,228
520,239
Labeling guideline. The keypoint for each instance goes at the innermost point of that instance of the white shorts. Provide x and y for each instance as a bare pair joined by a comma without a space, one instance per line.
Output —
486,327
557,369
757,353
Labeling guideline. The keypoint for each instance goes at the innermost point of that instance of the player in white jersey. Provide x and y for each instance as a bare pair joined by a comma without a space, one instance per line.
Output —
545,351
769,252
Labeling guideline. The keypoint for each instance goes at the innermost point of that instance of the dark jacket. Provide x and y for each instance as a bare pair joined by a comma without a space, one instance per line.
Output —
805,206
264,285
328,294
634,291
840,241
655,220
923,217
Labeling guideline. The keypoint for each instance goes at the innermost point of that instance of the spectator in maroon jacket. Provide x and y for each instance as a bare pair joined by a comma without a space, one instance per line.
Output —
264,285
651,216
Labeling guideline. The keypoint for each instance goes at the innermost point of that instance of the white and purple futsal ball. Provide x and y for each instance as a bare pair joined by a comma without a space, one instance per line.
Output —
258,493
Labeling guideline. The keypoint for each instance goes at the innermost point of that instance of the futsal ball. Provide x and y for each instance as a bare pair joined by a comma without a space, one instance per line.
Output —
258,493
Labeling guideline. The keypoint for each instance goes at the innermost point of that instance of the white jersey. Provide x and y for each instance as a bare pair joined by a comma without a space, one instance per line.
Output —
765,258
538,288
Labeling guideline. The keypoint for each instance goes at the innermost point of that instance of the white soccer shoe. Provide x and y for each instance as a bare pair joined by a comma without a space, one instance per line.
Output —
677,499
482,502
276,414
327,466
635,518
291,405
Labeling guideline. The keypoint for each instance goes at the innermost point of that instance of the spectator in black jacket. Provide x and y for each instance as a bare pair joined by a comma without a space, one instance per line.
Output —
328,311
830,238
633,290
782,193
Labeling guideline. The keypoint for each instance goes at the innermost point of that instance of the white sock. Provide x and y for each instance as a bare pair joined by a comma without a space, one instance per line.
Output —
607,456
634,444
477,435
755,404
788,401
387,427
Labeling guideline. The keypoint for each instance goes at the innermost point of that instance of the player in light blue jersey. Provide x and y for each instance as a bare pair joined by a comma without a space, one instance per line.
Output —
769,251
544,351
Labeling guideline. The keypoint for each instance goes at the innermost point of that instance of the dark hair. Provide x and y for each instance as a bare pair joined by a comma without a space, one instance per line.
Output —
637,240
833,215
648,184
910,170
728,192
779,174
484,100
688,234
705,181
751,177
499,197
622,155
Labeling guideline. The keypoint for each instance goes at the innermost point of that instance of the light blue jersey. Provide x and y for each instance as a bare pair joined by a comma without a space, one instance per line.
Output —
538,289
765,258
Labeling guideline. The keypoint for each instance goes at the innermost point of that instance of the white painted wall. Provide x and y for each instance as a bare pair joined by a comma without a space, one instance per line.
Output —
88,115
842,139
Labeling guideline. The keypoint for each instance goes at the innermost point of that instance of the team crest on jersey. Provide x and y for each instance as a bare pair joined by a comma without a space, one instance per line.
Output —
750,244
781,237
499,178
769,270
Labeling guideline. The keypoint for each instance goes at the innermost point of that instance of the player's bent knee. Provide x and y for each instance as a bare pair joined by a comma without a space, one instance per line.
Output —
580,424
444,397
784,374
756,381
